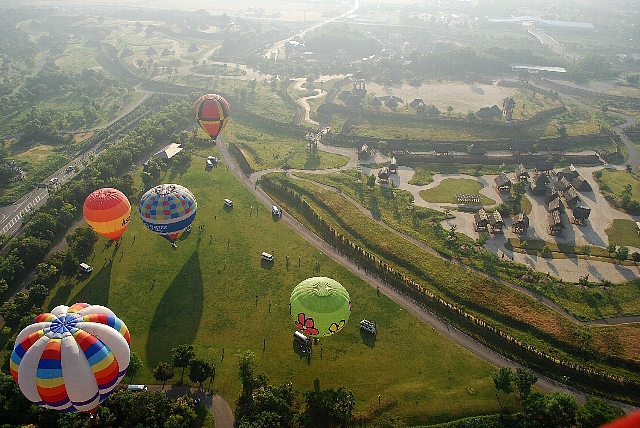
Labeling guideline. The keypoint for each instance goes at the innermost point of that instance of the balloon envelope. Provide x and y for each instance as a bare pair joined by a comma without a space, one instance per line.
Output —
72,358
320,306
168,209
212,113
108,212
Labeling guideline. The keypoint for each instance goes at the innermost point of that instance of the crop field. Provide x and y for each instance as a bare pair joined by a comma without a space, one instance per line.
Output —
214,292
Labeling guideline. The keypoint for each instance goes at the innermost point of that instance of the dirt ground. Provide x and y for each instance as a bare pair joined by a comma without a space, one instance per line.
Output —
459,95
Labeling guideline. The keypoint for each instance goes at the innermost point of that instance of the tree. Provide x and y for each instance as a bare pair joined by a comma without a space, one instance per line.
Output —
596,412
135,365
371,180
449,110
200,370
503,380
38,294
328,408
524,380
181,355
611,248
622,253
163,372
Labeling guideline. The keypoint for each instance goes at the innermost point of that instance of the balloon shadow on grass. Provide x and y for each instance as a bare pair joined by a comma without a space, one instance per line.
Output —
94,292
177,317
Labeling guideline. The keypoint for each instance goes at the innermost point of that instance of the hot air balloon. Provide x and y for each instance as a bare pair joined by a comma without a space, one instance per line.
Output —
212,113
320,306
168,209
72,358
108,212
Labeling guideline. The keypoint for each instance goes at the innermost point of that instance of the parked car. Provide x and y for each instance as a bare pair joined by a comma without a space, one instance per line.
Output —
228,202
137,388
368,326
53,181
276,211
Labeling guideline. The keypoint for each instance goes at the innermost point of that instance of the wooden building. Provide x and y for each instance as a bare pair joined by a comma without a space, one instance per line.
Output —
521,173
555,223
442,148
581,214
544,166
539,184
521,223
563,184
482,220
503,184
521,147
383,174
496,222
552,194
554,205
393,165
571,197
569,173
363,152
476,149
558,147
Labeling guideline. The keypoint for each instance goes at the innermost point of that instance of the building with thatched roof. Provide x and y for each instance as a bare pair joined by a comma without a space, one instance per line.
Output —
489,111
482,220
554,204
496,222
569,173
521,147
521,223
563,184
555,223
476,149
544,166
571,197
552,194
539,184
503,184
521,173
442,148
558,147
383,174
581,214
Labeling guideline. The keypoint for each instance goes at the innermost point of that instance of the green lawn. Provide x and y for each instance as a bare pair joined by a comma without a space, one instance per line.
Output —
219,296
447,189
624,232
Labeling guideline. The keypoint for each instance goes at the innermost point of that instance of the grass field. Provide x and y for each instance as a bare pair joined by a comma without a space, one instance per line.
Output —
219,296
446,191
624,232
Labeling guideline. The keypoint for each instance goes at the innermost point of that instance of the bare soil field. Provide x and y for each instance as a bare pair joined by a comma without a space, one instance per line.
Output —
459,95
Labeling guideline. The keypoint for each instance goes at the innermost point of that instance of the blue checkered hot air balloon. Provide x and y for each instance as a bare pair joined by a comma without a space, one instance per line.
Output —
168,209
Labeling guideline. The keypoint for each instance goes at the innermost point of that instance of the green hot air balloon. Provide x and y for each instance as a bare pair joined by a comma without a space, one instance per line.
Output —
320,306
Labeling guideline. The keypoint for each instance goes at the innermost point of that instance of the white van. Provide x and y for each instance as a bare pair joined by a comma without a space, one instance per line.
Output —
85,268
368,326
228,202
137,388
268,257
300,338
276,211
53,181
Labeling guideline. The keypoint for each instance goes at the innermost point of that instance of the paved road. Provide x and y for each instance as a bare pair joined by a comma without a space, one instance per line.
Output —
406,302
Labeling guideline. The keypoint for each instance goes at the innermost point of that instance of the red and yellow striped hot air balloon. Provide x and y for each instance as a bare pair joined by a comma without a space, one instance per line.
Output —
71,358
212,113
108,212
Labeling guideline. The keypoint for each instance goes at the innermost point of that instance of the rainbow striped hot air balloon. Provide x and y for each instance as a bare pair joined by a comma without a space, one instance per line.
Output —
168,209
320,306
212,113
108,212
72,358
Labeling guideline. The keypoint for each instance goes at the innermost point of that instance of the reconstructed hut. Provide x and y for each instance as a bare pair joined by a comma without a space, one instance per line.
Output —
521,223
569,173
503,184
555,223
539,184
571,196
521,147
554,205
393,165
496,222
544,166
383,175
476,149
363,152
521,173
563,184
553,194
442,148
558,147
581,214
482,220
